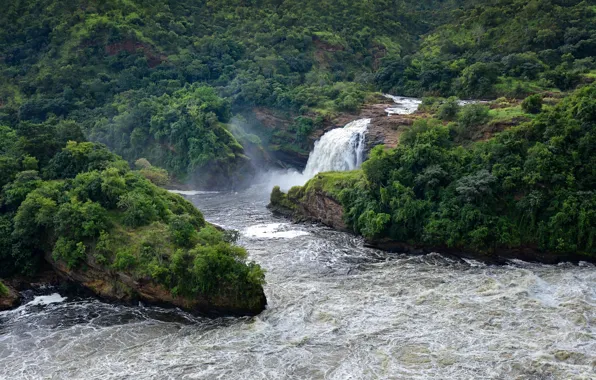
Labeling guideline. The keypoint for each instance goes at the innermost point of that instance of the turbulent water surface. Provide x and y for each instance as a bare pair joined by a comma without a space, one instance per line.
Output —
336,310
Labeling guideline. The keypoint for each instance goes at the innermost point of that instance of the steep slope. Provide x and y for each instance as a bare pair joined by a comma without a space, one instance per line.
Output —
129,71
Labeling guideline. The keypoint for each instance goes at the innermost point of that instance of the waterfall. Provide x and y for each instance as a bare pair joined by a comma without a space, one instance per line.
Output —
340,149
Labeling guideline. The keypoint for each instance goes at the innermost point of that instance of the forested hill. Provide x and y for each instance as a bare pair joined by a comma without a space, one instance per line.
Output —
157,79
501,48
161,79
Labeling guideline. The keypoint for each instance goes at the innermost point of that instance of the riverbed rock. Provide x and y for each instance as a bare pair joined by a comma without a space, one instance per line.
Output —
384,129
10,300
322,208
118,286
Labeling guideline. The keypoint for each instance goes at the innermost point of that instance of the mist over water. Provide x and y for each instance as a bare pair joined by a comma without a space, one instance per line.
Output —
337,310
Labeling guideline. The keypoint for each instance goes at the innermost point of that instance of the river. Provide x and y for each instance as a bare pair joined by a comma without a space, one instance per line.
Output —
336,310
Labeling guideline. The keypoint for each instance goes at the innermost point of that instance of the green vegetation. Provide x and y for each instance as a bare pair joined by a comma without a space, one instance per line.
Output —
532,104
170,83
157,176
82,205
158,79
530,186
3,290
499,48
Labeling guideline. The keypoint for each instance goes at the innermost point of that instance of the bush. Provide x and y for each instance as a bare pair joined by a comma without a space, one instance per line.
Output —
139,209
157,176
3,290
449,109
473,115
182,231
69,251
142,163
532,104
124,260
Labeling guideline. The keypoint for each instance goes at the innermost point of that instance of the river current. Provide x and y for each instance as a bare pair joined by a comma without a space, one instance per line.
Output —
337,310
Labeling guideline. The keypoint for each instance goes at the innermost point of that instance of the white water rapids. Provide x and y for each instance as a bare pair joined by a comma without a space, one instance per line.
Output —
407,106
337,310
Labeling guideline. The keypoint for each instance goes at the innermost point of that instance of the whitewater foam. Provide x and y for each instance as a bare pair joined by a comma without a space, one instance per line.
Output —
46,300
272,231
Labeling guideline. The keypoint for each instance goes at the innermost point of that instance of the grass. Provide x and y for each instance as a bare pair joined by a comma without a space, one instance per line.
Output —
508,113
3,290
508,86
332,183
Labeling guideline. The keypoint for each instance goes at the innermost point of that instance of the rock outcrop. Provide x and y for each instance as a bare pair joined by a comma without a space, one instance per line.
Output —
121,287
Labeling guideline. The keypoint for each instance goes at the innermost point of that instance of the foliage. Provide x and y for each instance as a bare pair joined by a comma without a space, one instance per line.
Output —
471,116
93,208
499,48
532,185
70,252
182,231
449,109
3,290
158,79
532,104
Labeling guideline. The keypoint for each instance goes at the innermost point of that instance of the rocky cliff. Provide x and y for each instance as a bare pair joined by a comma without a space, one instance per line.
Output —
9,297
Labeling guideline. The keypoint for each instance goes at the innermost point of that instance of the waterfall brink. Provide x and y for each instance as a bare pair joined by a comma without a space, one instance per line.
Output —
340,149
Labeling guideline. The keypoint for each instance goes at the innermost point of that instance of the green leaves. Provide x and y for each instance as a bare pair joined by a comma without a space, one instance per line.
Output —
531,185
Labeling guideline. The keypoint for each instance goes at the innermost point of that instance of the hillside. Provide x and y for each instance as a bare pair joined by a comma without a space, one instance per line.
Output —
500,48
149,80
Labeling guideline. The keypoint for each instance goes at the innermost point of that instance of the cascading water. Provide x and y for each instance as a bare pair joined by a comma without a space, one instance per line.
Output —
340,149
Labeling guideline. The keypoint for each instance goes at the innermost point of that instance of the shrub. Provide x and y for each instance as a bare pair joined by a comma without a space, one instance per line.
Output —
473,115
124,260
142,163
182,231
449,109
78,221
3,290
532,104
157,176
139,209
69,251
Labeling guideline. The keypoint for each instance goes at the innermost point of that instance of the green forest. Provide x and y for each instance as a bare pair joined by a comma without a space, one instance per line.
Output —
90,89
160,80
135,75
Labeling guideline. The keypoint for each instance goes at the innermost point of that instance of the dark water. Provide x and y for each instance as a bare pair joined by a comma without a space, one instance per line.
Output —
336,310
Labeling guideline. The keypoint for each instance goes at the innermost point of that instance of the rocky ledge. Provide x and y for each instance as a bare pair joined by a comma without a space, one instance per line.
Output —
93,279
118,286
